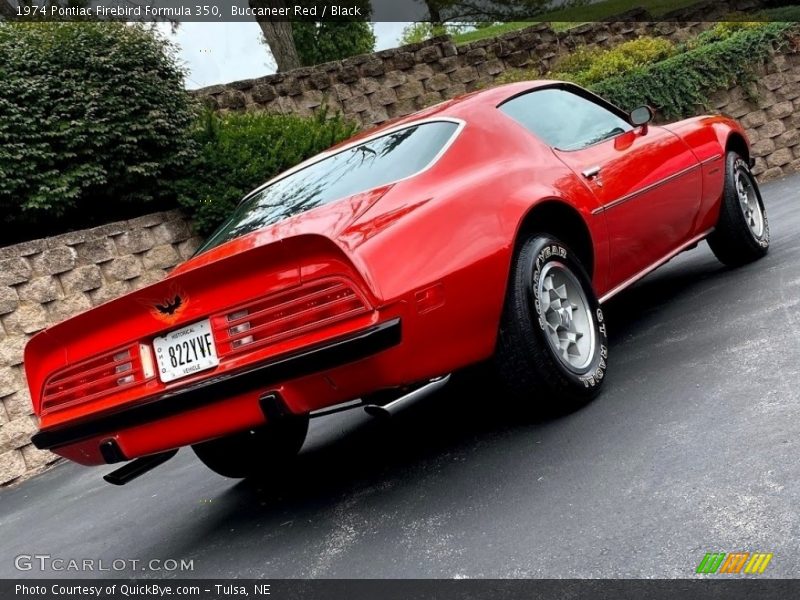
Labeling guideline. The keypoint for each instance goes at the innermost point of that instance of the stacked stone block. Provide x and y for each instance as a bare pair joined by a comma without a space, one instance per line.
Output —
46,281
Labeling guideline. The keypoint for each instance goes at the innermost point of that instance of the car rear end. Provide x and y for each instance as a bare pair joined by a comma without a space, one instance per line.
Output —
193,357
295,304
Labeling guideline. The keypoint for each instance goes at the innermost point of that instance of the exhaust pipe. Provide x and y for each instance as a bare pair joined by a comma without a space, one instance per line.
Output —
395,406
137,467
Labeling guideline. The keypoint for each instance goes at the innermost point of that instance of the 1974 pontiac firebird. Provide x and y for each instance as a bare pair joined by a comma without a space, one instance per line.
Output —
489,227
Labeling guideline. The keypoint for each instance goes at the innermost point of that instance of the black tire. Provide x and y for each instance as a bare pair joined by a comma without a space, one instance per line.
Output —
266,450
527,362
742,232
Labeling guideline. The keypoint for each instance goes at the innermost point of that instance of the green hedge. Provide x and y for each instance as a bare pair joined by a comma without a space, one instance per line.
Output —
94,121
679,85
676,79
95,126
587,67
240,151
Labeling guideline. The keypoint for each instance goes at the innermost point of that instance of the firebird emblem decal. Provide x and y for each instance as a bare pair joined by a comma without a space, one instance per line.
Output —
169,308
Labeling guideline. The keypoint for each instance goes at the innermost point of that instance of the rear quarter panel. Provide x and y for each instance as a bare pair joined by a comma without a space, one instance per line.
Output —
455,226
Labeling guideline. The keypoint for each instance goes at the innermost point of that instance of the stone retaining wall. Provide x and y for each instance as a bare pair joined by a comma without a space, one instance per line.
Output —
372,88
772,122
46,281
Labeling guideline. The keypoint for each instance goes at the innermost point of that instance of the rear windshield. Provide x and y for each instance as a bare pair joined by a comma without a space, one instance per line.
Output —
374,163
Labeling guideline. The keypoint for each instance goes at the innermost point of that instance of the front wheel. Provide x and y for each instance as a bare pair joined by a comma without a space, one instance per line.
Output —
742,232
552,348
265,450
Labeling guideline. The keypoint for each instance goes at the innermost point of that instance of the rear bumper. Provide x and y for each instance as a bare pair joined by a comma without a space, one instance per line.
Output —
332,354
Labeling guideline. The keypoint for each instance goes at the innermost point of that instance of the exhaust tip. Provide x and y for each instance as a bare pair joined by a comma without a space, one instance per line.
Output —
391,408
379,412
138,467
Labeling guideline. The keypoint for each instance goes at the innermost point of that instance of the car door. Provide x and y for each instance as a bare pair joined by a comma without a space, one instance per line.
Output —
646,180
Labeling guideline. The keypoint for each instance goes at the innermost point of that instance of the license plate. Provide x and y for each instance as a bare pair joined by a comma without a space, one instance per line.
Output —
185,351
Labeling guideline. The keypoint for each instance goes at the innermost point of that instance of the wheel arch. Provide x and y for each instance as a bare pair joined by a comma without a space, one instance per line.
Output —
736,142
562,220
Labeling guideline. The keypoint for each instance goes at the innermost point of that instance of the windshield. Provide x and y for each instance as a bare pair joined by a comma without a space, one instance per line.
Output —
357,169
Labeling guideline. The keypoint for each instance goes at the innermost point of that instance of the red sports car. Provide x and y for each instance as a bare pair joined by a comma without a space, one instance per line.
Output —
492,226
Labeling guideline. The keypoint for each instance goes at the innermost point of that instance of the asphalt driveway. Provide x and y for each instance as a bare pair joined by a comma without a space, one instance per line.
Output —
692,448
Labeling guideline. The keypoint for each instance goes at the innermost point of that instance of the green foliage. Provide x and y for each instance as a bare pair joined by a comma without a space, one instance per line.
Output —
321,42
93,118
580,59
414,33
586,67
517,75
782,13
240,151
722,31
421,31
675,80
681,84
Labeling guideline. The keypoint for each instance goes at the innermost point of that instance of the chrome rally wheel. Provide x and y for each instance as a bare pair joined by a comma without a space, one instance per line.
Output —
741,234
749,202
552,348
568,321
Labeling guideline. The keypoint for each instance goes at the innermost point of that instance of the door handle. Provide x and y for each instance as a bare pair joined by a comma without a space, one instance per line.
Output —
591,172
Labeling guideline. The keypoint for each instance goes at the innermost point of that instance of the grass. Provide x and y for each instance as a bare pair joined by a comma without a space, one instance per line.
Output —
566,18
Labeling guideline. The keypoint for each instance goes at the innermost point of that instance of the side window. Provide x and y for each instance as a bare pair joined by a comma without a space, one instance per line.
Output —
564,120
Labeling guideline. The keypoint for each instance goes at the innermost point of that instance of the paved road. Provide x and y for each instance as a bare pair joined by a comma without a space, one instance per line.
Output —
691,448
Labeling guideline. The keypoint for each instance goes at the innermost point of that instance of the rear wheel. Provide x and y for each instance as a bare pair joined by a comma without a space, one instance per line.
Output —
265,450
552,346
742,232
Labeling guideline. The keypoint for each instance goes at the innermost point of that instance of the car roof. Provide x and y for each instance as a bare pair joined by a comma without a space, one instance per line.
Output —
465,107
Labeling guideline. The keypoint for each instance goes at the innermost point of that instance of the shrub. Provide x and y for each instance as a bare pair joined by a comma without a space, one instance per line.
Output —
93,120
590,66
578,60
586,65
240,151
516,75
722,31
681,84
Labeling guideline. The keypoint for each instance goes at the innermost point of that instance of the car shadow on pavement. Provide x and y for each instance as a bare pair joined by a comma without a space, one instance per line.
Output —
696,273
463,419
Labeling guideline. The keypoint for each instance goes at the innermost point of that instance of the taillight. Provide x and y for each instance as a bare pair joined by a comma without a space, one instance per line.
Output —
288,314
98,376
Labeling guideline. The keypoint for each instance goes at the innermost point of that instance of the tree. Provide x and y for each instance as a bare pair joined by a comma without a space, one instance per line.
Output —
293,44
278,35
320,42
304,42
449,11
94,122
453,16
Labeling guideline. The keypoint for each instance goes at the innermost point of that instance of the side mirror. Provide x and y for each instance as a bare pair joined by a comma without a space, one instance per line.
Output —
641,116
